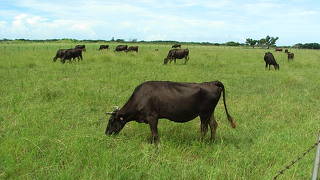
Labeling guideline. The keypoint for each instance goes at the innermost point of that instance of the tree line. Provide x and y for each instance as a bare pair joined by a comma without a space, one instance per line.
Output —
266,42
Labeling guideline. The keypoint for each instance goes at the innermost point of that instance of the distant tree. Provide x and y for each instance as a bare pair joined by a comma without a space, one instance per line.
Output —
120,40
308,46
112,39
232,43
251,42
271,41
262,42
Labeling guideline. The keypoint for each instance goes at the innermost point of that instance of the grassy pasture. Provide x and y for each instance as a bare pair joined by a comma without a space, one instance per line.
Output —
52,118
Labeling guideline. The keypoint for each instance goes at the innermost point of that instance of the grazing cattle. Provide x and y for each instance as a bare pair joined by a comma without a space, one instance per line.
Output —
270,60
60,53
82,47
177,54
176,46
72,54
290,56
132,48
175,101
103,47
286,51
278,49
121,48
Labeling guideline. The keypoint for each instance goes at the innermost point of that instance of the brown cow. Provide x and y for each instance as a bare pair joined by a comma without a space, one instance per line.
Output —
177,54
176,46
176,101
290,56
132,48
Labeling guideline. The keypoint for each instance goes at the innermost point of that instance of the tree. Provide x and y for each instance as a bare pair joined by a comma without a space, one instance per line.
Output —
251,42
271,41
262,42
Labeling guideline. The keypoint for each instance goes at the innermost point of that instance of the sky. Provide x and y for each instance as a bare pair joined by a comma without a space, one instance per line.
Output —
293,21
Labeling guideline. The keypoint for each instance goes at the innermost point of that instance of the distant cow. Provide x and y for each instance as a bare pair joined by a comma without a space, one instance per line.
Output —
176,46
82,47
121,48
177,54
278,49
156,50
103,47
175,101
286,51
60,53
132,48
72,54
290,56
270,60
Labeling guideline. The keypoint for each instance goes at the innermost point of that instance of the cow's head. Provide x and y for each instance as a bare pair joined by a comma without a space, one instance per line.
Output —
165,61
116,122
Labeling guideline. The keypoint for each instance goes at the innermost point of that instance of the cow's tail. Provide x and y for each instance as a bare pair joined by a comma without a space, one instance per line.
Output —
219,84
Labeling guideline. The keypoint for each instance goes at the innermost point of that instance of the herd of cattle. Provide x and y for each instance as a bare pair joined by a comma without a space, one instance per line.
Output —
270,60
76,53
153,100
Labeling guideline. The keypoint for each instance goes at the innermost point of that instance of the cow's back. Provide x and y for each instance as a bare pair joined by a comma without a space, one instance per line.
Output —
178,102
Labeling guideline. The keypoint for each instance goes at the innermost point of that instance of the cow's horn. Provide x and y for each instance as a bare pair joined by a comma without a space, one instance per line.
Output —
109,113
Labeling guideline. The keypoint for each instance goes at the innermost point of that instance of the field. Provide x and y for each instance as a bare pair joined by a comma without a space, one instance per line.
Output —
52,119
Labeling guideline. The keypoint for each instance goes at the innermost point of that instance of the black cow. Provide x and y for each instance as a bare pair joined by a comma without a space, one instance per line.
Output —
121,48
270,60
286,51
290,56
60,53
72,54
278,49
132,48
82,47
178,102
177,54
103,47
176,46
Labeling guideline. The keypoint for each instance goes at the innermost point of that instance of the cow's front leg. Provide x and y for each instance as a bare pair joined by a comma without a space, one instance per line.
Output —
153,123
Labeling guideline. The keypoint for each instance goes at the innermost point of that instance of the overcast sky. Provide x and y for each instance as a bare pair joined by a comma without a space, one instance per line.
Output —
293,21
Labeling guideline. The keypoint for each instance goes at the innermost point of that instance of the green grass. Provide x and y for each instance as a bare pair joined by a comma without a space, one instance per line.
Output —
52,118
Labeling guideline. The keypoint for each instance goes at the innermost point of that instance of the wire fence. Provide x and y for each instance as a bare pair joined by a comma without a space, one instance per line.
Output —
315,166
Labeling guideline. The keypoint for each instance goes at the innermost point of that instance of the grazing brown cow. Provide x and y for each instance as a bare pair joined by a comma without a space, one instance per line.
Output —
60,53
270,60
103,47
290,56
176,46
132,48
121,48
176,101
72,54
278,49
177,54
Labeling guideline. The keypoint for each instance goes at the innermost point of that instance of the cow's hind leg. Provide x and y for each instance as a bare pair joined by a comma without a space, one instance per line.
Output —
153,123
204,125
213,126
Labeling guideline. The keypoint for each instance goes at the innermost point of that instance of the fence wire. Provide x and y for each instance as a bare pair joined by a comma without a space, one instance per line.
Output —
296,160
